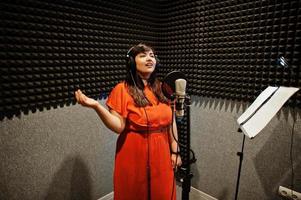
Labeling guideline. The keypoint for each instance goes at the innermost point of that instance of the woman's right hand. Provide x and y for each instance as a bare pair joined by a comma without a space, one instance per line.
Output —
84,100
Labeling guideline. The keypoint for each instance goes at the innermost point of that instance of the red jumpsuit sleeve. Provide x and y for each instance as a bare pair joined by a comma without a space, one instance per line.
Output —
118,99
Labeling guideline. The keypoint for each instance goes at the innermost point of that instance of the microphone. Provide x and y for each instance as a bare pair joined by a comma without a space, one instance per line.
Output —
180,87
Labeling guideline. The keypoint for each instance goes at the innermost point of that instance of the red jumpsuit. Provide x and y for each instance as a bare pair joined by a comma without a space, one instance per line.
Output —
143,167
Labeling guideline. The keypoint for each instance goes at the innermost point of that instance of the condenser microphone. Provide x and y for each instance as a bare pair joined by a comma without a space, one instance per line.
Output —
180,87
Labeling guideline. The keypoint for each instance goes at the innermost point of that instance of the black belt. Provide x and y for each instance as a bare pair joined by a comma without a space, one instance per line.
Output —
151,130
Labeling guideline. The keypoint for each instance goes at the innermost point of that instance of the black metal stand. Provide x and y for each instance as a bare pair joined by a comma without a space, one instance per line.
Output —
186,181
241,155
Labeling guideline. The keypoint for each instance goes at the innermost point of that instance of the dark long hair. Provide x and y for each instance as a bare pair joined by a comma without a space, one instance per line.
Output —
134,81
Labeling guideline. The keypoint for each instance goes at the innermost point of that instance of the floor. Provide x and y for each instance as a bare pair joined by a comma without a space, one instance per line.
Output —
193,195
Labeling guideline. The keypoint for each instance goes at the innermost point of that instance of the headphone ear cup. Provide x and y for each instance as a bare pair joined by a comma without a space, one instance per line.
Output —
132,64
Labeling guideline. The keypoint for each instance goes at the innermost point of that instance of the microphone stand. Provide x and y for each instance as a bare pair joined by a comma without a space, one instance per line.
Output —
183,174
186,179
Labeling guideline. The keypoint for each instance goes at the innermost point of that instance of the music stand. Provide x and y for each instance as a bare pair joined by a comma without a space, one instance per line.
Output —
258,115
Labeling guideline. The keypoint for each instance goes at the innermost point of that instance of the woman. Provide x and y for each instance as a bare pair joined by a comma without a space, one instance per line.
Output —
146,150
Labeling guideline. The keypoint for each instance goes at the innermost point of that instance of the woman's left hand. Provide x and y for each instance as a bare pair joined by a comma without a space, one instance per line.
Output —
176,161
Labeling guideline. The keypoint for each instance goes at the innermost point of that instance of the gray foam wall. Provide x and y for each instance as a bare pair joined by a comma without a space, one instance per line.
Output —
64,153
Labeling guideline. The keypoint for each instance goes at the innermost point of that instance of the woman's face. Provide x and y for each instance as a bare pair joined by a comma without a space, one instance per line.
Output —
145,63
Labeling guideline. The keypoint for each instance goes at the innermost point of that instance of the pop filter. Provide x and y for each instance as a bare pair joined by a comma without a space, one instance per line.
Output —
168,83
